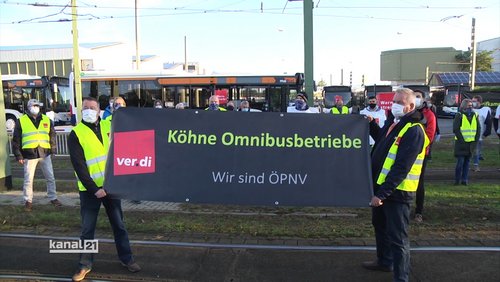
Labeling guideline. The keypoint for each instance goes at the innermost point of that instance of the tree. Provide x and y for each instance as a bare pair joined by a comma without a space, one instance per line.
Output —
484,60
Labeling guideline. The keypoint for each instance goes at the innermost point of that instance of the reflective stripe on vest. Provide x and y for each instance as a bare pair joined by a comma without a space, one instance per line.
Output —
94,151
468,129
33,137
410,183
218,109
335,111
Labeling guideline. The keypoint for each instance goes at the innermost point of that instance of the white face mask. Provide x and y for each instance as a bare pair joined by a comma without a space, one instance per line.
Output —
397,110
34,110
418,103
89,115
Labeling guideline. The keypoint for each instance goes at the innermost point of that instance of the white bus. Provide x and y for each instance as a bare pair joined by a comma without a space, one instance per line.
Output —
53,92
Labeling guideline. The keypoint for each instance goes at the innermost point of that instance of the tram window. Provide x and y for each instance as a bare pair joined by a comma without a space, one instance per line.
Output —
275,99
255,95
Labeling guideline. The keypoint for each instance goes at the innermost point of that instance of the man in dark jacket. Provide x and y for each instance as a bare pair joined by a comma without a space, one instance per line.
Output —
88,145
397,158
467,130
33,142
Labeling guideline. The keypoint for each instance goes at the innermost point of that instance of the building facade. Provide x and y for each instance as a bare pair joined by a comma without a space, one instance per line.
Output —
492,45
416,66
56,60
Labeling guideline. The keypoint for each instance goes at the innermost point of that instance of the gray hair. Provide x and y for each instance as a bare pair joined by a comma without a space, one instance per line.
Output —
409,95
464,103
244,103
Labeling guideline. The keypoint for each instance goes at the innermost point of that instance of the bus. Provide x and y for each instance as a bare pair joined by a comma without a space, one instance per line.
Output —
331,92
373,90
53,92
422,87
268,93
447,99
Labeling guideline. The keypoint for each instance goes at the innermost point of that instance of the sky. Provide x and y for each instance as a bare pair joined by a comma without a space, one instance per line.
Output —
255,37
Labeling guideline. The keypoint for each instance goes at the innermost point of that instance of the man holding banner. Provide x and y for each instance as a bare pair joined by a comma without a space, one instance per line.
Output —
88,145
397,158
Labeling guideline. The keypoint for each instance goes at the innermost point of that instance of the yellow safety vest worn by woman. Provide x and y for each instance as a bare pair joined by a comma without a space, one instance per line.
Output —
33,137
335,111
94,151
468,129
410,183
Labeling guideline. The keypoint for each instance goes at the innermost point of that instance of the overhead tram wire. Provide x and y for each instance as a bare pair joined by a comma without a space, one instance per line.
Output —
256,9
176,11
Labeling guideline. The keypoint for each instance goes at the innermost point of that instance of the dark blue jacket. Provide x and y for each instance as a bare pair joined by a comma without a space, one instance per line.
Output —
107,112
410,146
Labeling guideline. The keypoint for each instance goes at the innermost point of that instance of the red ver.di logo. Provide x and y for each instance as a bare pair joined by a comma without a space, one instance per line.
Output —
134,152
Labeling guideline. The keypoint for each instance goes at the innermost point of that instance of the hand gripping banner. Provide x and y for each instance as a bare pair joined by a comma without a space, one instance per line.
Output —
217,157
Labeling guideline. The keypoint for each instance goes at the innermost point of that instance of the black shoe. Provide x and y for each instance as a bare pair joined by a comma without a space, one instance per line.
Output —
481,158
132,266
464,183
373,265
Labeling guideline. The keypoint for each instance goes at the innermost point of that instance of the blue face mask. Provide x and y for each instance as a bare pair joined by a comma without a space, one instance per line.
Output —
213,106
300,105
468,111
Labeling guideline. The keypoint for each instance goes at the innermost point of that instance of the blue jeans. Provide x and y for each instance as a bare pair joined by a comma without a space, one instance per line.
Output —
391,222
89,210
477,152
462,170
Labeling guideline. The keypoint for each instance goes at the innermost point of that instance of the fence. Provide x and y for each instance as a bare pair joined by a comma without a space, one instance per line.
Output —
61,143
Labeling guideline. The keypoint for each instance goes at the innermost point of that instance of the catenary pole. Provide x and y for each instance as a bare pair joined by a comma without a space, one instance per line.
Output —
308,50
472,69
76,63
5,169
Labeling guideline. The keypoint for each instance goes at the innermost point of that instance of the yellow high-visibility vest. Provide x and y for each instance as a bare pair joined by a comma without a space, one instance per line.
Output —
218,109
468,129
410,183
94,151
335,111
33,137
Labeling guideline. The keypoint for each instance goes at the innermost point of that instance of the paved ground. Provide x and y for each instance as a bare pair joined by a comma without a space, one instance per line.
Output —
216,257
218,263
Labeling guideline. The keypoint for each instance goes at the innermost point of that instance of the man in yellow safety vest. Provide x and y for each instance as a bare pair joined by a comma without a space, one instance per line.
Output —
339,108
397,159
88,145
33,142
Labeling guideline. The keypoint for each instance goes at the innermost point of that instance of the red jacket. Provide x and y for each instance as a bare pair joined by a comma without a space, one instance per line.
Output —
429,121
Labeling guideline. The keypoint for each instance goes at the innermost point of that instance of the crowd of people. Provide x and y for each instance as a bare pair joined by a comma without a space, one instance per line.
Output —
400,139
